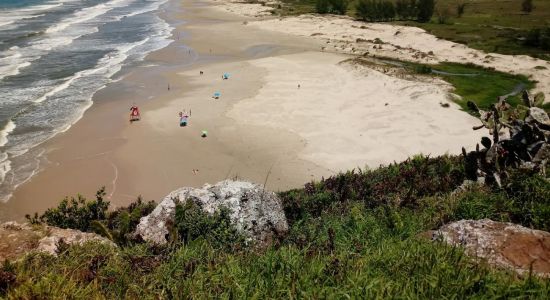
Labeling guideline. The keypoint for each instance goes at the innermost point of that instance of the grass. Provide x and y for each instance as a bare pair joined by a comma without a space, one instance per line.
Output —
488,25
484,88
354,235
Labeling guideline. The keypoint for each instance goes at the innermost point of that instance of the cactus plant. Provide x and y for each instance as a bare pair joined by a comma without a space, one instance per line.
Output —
526,145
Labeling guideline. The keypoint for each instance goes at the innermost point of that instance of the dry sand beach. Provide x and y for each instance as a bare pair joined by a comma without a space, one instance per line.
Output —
294,108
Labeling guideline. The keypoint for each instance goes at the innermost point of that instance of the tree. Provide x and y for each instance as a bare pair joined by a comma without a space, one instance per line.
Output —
339,7
322,6
527,6
370,10
425,10
387,10
362,9
401,9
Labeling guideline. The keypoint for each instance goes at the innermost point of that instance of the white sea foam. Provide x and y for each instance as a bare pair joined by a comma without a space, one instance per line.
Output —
8,128
152,7
86,14
4,23
5,164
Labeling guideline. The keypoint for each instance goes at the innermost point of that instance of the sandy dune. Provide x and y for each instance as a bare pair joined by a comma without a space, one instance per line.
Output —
352,116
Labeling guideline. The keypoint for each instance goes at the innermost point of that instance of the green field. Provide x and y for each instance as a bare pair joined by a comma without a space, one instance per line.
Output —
488,25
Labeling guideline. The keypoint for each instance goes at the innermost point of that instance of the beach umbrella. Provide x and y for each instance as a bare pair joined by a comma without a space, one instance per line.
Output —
217,94
226,75
204,133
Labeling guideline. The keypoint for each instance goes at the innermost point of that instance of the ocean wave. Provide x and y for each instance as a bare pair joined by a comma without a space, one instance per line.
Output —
154,5
9,65
10,16
58,35
86,14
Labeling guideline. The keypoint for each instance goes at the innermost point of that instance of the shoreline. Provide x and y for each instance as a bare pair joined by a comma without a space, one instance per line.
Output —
263,129
82,165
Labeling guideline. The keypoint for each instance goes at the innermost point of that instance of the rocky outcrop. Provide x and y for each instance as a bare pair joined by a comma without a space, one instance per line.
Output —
504,245
18,239
256,213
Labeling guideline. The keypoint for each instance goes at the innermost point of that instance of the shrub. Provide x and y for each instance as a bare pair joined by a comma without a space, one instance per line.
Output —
370,10
123,221
192,223
425,10
402,184
322,6
76,213
406,9
93,216
338,7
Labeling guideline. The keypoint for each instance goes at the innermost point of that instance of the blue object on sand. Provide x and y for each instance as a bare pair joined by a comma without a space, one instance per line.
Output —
183,121
226,75
217,95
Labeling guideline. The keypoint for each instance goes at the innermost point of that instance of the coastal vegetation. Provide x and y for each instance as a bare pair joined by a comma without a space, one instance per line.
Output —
506,27
358,234
473,83
481,85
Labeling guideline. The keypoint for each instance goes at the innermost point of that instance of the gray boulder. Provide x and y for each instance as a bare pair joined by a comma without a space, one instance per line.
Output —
17,239
504,245
256,213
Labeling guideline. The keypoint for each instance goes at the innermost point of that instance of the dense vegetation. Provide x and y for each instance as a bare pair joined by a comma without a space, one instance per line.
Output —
506,27
354,235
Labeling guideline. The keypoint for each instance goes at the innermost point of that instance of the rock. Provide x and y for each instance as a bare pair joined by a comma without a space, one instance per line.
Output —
538,115
504,245
18,239
256,213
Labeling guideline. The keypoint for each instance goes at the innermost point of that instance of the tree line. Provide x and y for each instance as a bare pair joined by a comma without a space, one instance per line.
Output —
381,10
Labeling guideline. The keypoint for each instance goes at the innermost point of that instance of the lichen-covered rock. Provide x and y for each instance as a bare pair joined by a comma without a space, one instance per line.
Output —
17,239
504,245
256,213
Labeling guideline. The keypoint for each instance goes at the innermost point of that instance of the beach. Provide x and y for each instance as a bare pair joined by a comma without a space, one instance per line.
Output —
290,112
